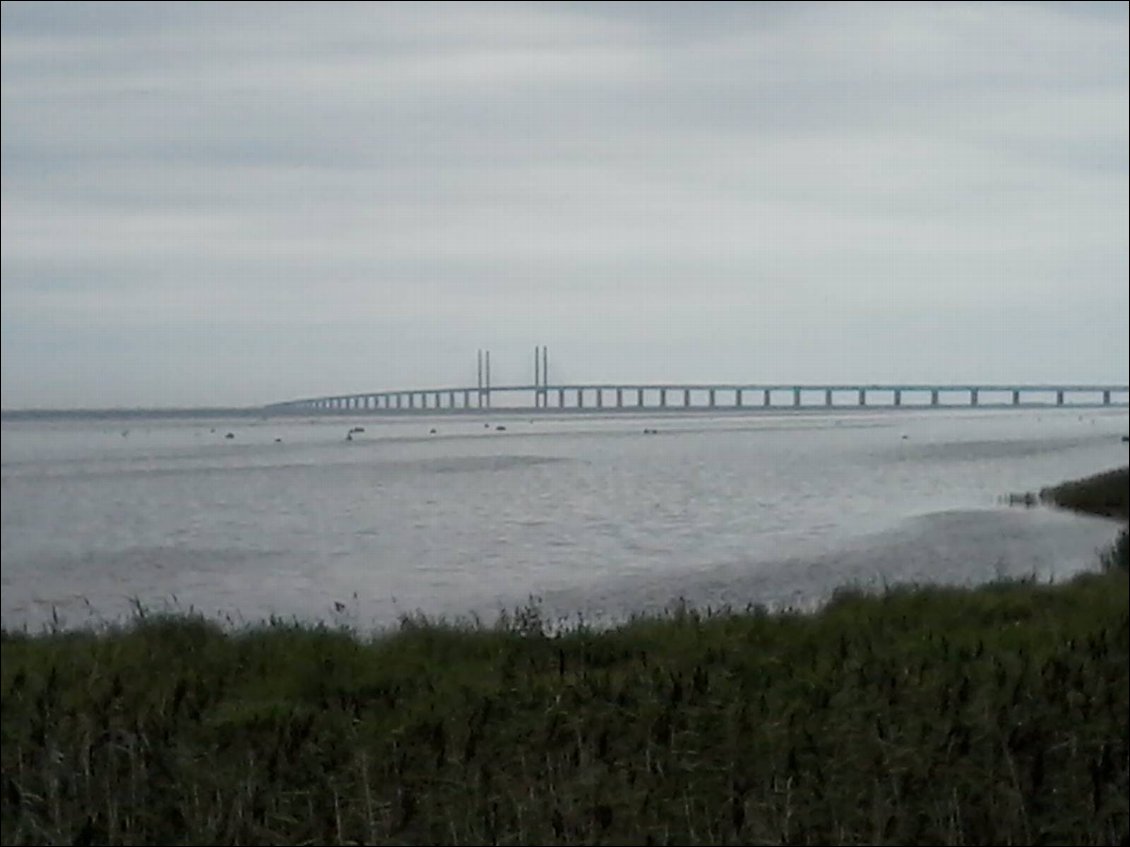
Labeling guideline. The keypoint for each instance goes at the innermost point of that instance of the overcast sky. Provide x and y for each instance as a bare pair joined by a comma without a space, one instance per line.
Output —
237,204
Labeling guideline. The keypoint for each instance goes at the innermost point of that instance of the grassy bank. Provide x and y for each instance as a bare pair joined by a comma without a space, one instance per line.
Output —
1106,494
996,715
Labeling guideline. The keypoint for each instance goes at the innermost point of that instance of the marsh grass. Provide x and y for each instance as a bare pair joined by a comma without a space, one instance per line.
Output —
1102,494
996,715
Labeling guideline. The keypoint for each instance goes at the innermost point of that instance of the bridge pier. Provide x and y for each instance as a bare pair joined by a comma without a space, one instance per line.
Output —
663,398
973,397
898,397
1059,398
1106,398
767,400
738,398
796,397
639,397
827,397
1015,397
561,398
619,398
934,398
600,398
711,398
862,397
580,398
686,397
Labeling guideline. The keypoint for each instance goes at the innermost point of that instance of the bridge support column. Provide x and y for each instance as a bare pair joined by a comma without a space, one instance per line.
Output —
898,397
580,398
439,398
862,397
973,397
1059,398
1106,398
686,397
738,398
600,398
827,397
796,396
619,398
663,398
451,399
639,397
400,401
1015,398
561,398
934,397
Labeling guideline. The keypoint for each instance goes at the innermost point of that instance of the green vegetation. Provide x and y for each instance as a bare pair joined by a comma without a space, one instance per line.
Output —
928,715
1103,494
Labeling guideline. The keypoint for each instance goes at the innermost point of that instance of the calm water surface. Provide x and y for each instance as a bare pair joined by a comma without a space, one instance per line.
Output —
587,514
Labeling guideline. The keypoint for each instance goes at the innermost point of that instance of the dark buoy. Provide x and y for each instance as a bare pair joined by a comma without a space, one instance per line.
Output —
432,431
500,428
230,435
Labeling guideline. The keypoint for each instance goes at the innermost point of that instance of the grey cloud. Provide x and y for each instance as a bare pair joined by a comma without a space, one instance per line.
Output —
493,173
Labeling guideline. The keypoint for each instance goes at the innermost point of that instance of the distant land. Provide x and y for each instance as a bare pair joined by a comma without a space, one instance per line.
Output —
115,414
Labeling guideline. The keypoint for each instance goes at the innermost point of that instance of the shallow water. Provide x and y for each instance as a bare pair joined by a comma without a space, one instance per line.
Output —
586,513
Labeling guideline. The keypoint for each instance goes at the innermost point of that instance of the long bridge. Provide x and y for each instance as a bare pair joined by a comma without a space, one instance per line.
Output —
704,396
543,395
